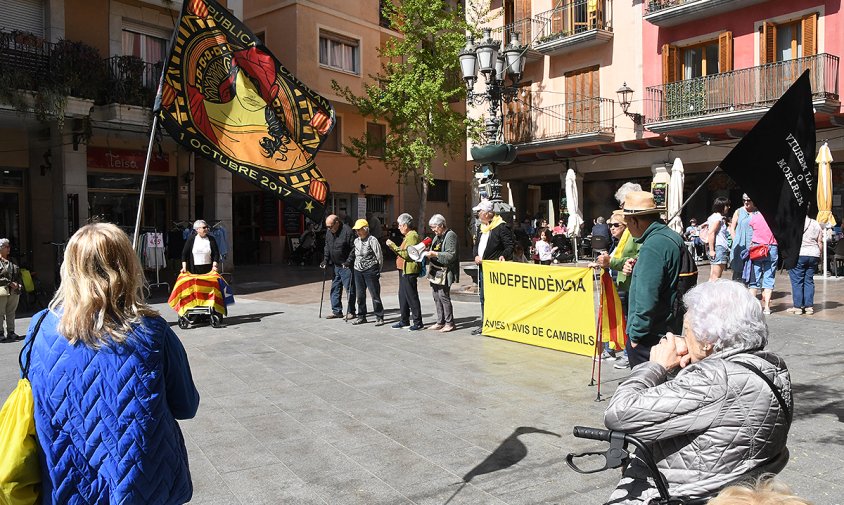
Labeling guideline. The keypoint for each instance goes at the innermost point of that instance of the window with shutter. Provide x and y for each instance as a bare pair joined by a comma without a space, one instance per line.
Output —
810,34
725,52
767,42
670,63
583,112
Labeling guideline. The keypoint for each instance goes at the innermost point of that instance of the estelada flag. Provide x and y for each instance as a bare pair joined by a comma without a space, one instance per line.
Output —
774,165
205,290
226,97
613,325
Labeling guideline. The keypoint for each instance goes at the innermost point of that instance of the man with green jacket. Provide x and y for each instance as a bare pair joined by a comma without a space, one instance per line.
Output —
408,275
653,285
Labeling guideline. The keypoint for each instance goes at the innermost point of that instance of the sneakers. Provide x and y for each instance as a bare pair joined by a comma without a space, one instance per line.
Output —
435,327
399,325
361,320
14,337
334,316
794,310
766,311
621,362
350,316
447,328
809,311
478,331
606,356
379,321
415,327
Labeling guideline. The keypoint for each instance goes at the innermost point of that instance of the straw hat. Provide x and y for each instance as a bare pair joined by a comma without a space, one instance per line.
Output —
360,223
637,203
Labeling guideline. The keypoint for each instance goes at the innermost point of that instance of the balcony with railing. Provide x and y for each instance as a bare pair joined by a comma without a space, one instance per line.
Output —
25,60
527,28
573,122
131,81
740,95
675,12
573,25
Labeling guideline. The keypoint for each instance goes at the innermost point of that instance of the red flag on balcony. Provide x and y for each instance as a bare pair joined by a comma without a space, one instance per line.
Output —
225,96
774,165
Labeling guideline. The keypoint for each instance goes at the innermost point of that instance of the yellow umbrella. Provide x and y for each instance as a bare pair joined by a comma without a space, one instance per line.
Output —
824,186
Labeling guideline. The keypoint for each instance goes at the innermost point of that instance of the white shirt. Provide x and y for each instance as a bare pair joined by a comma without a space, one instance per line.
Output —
482,244
721,236
201,251
543,249
809,244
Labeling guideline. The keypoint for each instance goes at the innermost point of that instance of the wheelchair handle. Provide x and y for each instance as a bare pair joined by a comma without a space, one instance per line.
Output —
592,433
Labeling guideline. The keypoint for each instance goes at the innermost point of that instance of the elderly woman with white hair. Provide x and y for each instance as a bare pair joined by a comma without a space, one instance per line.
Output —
200,255
444,270
725,415
10,289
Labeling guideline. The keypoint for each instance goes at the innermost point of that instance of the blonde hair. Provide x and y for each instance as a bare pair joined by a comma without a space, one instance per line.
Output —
101,293
765,491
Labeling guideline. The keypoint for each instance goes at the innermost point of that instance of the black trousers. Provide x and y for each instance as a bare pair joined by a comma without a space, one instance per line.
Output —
409,298
640,354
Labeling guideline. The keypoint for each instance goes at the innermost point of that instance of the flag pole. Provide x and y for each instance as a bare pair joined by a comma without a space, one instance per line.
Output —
146,169
687,200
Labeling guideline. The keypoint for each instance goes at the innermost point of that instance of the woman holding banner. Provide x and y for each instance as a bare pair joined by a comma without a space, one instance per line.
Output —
443,271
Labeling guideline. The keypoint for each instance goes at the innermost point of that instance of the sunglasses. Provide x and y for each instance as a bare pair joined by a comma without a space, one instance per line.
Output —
202,228
615,225
746,200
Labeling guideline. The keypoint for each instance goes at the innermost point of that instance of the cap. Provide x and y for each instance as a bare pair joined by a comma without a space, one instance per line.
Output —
484,206
360,223
639,202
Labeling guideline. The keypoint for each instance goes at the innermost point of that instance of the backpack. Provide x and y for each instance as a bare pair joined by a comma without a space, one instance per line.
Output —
686,280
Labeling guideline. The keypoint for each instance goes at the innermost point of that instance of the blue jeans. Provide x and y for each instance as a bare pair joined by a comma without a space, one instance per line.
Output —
765,269
803,281
342,279
369,280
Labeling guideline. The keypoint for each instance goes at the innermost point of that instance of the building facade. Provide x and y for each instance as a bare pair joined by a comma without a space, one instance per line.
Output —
701,72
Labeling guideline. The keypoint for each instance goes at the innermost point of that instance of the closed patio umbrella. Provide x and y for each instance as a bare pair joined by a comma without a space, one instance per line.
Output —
575,219
825,217
675,196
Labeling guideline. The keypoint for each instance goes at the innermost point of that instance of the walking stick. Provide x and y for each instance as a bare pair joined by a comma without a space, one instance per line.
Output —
599,342
322,298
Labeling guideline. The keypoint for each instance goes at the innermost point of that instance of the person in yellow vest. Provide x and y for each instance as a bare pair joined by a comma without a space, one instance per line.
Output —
408,276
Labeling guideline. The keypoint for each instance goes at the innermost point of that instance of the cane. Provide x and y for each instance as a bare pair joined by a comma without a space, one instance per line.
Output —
322,298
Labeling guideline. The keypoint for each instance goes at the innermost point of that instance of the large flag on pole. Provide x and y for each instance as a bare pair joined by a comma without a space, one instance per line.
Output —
773,164
613,325
228,98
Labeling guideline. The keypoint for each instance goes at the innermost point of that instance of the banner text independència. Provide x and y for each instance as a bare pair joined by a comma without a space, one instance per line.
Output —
536,283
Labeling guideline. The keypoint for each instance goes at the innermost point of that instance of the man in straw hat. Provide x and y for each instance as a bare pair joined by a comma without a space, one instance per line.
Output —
653,285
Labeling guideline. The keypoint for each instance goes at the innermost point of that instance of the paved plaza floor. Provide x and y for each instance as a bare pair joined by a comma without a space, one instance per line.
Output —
298,410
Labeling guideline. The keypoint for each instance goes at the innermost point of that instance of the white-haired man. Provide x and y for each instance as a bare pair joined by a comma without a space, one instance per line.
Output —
494,241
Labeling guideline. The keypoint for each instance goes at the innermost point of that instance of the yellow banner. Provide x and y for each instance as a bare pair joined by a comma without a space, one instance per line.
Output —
540,305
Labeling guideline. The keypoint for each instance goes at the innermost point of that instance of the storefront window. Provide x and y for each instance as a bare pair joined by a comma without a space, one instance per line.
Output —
114,198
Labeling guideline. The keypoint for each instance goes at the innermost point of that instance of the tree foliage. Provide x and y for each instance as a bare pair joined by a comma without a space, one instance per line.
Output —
418,90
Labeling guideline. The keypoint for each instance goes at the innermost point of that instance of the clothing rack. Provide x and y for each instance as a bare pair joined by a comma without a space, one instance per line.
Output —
158,281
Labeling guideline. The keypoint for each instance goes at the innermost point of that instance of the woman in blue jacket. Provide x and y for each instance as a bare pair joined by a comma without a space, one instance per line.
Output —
109,379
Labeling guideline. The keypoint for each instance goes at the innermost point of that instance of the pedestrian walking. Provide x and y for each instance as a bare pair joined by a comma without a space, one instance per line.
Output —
10,291
742,235
109,380
369,261
444,270
717,240
201,254
408,276
764,254
339,253
803,274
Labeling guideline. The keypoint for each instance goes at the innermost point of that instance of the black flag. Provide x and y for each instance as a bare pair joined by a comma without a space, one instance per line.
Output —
774,164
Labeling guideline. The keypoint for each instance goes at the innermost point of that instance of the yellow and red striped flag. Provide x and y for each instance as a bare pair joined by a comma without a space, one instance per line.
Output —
613,327
191,291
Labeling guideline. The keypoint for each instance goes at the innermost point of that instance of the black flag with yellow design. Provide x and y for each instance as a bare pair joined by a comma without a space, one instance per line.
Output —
225,96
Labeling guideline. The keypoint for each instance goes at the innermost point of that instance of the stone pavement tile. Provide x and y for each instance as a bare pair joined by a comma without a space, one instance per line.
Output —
212,424
424,438
450,491
271,485
308,456
355,486
274,427
397,465
241,405
239,452
346,433
208,487
333,390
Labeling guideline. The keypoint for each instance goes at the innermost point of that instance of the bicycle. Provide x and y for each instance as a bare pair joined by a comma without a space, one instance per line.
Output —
618,456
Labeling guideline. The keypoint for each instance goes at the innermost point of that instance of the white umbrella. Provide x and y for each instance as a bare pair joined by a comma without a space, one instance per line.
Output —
575,219
551,221
675,196
825,218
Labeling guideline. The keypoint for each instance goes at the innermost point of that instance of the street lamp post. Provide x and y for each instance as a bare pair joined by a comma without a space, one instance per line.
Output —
495,65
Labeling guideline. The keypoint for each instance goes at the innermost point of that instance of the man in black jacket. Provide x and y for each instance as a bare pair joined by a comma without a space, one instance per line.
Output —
340,253
494,241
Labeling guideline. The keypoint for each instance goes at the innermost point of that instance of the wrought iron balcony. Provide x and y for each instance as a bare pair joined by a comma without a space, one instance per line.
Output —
25,60
674,12
527,28
564,123
131,81
738,95
573,25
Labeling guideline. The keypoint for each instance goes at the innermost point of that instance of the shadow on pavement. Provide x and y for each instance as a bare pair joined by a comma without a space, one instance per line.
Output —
815,399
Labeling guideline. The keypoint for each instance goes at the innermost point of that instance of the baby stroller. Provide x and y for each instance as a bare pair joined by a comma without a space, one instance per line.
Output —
563,252
304,249
200,299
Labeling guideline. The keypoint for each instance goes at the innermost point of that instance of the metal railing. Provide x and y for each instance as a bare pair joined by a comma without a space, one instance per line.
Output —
593,115
572,18
527,28
25,60
658,5
131,81
738,90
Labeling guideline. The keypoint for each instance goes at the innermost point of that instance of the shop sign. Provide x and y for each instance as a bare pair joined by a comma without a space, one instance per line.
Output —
126,159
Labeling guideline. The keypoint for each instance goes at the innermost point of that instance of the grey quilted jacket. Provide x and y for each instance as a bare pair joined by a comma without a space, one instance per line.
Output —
713,423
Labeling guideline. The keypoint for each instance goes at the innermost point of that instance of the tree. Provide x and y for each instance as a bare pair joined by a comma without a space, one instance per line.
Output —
418,93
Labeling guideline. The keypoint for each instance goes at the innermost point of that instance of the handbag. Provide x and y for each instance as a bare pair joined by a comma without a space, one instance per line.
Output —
20,469
759,251
437,276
